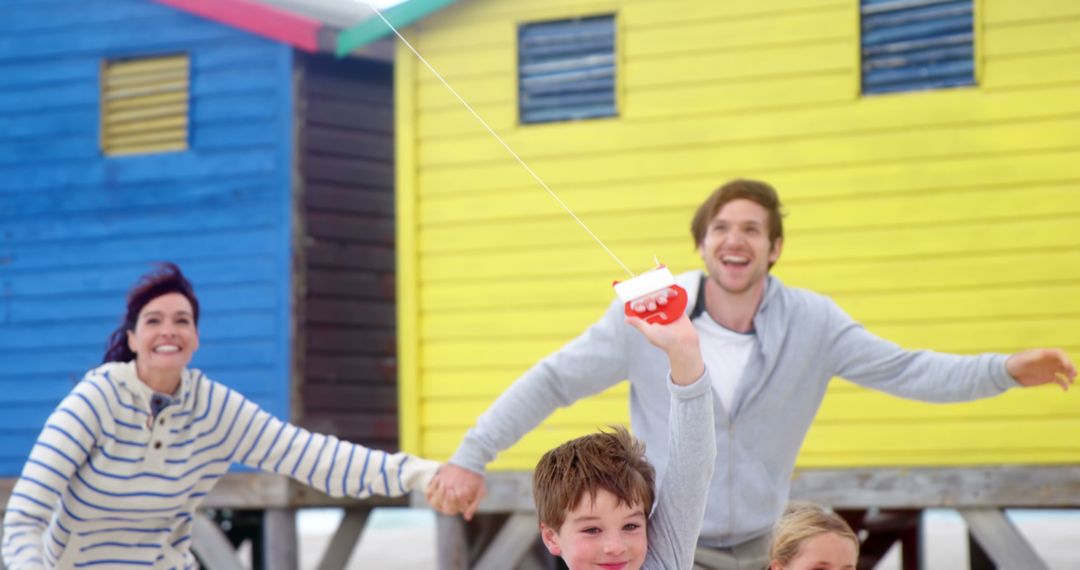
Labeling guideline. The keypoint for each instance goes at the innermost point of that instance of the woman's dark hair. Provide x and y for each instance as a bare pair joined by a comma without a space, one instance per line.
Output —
166,279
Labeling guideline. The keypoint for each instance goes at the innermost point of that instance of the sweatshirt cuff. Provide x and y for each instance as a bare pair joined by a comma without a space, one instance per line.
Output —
699,387
1000,375
417,473
469,457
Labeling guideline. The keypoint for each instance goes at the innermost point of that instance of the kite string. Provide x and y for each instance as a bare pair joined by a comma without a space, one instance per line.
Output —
501,141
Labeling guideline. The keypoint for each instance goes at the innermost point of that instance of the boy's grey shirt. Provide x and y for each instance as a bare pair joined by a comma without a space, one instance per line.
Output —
802,340
680,498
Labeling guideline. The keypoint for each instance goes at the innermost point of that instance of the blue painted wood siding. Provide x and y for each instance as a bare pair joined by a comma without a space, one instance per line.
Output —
910,45
566,70
76,228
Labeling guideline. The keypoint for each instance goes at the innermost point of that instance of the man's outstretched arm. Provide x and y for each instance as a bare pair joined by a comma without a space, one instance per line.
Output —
591,363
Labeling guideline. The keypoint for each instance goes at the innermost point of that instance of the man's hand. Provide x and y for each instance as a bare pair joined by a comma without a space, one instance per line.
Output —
456,490
1041,366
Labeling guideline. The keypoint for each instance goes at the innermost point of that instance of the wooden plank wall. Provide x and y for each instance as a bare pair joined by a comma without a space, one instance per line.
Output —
941,219
346,164
77,229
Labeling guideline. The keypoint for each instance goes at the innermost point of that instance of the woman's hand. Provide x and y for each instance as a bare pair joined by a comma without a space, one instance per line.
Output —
1042,366
456,490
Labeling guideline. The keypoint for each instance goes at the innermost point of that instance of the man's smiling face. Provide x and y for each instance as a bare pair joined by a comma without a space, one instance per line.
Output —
736,247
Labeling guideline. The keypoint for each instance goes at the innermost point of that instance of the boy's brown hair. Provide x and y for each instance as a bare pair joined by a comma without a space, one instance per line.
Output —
756,191
610,460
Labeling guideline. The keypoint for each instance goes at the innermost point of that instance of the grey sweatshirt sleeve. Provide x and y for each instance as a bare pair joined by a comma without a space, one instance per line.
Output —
676,520
870,361
587,365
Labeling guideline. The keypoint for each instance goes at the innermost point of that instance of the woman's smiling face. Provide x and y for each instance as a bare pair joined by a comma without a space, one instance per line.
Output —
165,337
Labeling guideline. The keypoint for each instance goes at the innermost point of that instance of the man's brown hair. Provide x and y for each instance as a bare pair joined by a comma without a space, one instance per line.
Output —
756,191
610,460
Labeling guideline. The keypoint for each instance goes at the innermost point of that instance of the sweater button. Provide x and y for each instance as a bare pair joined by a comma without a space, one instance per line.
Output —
157,445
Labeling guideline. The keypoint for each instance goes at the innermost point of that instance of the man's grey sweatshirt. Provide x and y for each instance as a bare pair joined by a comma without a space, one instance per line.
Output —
802,340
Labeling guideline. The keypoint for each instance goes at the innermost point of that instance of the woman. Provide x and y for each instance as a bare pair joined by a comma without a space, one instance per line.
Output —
122,464
809,537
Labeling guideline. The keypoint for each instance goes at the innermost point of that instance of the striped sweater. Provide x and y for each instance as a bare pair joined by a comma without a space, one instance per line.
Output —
110,485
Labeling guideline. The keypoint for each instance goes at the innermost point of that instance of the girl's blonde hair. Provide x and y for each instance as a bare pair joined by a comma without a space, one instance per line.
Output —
801,522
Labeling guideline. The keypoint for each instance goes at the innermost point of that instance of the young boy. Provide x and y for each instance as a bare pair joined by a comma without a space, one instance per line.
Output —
594,494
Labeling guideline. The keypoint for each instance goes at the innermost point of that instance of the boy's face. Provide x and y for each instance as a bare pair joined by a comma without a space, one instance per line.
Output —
600,534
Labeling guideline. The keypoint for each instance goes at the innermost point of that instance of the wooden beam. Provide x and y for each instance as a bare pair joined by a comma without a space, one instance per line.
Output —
400,16
280,540
510,545
1021,486
213,548
1055,486
1001,540
508,491
262,491
259,19
406,220
1005,486
303,496
248,491
344,540
451,544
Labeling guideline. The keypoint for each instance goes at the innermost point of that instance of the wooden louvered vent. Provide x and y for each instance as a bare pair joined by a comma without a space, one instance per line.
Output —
910,45
566,70
145,105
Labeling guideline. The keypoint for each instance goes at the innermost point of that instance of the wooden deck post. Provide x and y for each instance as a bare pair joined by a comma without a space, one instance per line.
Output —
1001,540
211,545
345,539
452,546
279,539
511,544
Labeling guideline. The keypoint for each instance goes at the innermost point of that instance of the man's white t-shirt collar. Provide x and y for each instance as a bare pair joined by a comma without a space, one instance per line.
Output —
726,353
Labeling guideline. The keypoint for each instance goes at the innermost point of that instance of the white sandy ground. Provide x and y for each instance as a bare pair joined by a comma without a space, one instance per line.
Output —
404,539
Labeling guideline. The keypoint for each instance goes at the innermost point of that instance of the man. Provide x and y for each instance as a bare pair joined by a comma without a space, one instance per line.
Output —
772,350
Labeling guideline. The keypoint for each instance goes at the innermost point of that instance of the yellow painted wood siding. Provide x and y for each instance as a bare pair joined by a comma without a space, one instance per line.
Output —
144,105
942,219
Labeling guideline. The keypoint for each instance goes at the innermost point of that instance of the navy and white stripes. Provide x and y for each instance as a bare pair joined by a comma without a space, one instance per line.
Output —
109,485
